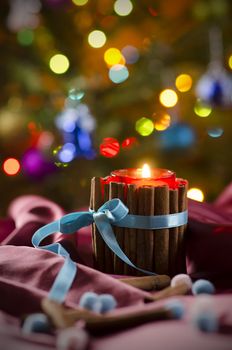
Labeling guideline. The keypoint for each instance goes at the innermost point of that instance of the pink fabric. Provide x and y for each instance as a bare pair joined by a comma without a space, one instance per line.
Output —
26,274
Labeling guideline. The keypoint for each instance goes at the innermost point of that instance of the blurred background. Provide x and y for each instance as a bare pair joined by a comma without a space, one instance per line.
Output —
89,86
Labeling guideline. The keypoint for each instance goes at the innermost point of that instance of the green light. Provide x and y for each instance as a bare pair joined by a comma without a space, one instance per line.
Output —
202,110
144,126
25,37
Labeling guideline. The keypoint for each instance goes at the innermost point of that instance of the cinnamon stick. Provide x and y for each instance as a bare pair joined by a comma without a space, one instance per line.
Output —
180,289
119,232
173,233
109,260
182,203
161,235
99,244
148,283
141,248
130,239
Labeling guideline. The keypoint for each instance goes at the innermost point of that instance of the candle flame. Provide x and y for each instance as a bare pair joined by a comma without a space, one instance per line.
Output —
146,171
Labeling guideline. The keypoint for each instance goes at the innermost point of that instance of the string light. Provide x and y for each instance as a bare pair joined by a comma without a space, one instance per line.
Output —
131,54
196,194
80,2
11,166
112,56
215,132
123,7
59,63
144,126
202,110
168,98
118,73
162,122
109,148
230,62
97,38
25,37
183,82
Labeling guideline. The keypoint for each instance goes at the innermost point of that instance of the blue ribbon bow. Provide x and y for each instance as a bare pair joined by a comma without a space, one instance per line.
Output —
113,212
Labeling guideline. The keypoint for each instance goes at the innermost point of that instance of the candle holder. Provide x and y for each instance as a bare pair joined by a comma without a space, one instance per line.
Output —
157,193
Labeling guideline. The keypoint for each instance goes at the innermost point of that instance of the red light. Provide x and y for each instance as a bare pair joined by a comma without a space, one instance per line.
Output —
11,166
129,142
109,148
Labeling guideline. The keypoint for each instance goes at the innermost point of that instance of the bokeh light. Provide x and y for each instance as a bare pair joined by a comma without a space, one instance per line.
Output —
110,147
215,132
131,54
59,64
80,2
123,7
25,37
144,126
196,194
162,121
202,109
76,94
230,61
112,56
168,98
118,73
11,166
67,153
183,82
97,38
129,142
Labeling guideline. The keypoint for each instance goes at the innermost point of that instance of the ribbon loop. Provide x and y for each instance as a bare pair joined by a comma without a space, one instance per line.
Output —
115,210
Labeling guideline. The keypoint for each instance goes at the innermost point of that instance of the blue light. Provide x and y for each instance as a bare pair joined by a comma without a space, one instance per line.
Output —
84,140
131,54
67,153
118,73
178,135
215,132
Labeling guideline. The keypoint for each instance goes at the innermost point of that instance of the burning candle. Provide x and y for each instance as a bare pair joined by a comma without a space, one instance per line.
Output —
146,192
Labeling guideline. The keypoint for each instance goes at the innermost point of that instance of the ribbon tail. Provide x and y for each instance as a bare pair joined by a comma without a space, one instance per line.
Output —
107,234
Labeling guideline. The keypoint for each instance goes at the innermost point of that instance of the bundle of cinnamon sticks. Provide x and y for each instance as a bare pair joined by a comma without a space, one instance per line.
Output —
161,250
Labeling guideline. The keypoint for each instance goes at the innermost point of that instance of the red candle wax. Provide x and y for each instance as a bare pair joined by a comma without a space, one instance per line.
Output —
134,176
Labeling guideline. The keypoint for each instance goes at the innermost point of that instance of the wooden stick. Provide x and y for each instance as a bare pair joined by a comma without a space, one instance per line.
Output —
148,283
92,231
119,233
109,260
173,233
99,243
149,234
162,235
130,239
62,317
182,190
180,289
141,249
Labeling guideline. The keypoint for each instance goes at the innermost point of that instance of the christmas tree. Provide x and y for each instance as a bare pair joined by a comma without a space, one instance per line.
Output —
92,86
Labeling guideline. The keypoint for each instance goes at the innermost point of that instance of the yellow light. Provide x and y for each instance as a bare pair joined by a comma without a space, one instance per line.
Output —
230,62
202,110
144,126
96,39
112,56
123,7
146,171
184,82
80,2
196,194
168,98
163,122
59,64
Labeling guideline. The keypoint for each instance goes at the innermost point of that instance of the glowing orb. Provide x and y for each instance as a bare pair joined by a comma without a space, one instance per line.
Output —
96,38
230,62
109,148
59,64
80,2
112,56
118,73
196,194
123,7
202,110
215,132
162,122
11,166
144,126
168,98
184,82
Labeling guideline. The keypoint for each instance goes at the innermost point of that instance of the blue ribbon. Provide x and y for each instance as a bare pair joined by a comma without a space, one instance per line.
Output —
112,213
